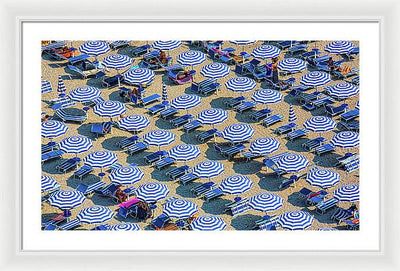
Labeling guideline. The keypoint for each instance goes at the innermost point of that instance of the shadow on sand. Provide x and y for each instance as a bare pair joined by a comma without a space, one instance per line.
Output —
244,222
215,206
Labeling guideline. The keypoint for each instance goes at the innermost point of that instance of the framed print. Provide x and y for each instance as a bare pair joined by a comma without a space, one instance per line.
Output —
190,137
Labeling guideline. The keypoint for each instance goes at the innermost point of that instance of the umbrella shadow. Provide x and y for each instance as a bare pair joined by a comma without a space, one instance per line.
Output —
102,201
114,96
290,99
326,160
270,182
95,82
189,138
326,217
296,145
219,102
211,154
84,130
296,200
50,166
88,180
215,206
184,190
244,222
163,124
318,111
160,175
243,117
247,168
111,143
126,50
138,158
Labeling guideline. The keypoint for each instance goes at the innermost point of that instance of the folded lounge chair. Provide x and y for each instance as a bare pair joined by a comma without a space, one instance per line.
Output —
286,128
164,162
272,120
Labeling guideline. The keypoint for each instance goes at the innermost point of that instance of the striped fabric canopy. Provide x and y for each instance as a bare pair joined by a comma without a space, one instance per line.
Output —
322,177
84,94
101,159
240,84
208,223
266,51
152,192
180,209
126,175
191,58
327,229
292,162
184,152
215,70
266,202
48,183
95,214
208,169
117,61
109,109
350,192
238,132
357,105
94,48
343,90
235,184
159,138
296,220
75,144
61,89
315,79
267,96
46,86
134,122
125,226
292,65
166,44
139,76
164,94
346,139
242,42
186,101
212,116
339,47
319,124
53,128
66,199
264,145
292,114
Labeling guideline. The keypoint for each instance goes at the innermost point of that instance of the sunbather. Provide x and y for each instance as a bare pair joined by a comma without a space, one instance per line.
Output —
274,67
122,197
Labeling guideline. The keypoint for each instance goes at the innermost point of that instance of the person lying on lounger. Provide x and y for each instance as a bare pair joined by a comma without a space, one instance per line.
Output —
122,197
182,75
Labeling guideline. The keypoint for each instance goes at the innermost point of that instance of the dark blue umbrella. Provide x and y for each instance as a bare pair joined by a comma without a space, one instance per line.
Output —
315,79
343,90
238,132
133,122
159,138
101,159
53,128
323,178
264,145
126,175
350,192
235,184
66,199
292,162
240,84
266,202
152,192
48,183
75,144
215,70
139,76
95,214
296,220
339,47
84,94
292,65
184,152
208,169
208,223
125,226
180,209
346,139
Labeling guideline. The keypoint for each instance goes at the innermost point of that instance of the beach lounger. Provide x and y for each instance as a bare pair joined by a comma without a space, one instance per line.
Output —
353,224
202,188
104,227
352,166
82,172
179,121
169,112
318,103
204,136
316,198
313,143
101,129
269,163
85,74
267,223
305,98
355,80
107,191
299,90
342,76
89,189
285,44
324,206
137,147
250,156
65,103
70,225
68,164
272,120
286,128
326,148
237,207
94,102
77,59
296,134
260,114
191,126
305,193
350,115
68,116
113,81
140,50
187,178
244,107
176,76
51,146
297,49
342,214
282,84
336,110
125,143
310,54
348,157
150,99
55,220
353,125
230,152
117,44
164,162
212,194
175,173
156,109
214,87
232,102
159,222
52,155
197,87
155,156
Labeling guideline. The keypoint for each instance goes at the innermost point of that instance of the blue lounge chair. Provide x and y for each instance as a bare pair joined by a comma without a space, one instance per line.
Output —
137,147
324,206
326,148
342,76
52,155
104,227
245,106
318,103
260,114
250,156
160,221
164,162
314,61
285,44
204,136
140,50
68,164
232,151
187,178
272,120
156,109
352,166
316,198
202,188
169,112
350,115
198,87
177,172
313,143
101,129
286,128
310,54
282,84
85,74
89,189
68,116
77,59
297,134
179,121
209,89
70,225
113,81
352,125
269,163
82,172
150,99
107,191
336,110
212,194
117,44
341,214
125,143
51,146
234,101
237,207
297,49
309,97
155,156
191,126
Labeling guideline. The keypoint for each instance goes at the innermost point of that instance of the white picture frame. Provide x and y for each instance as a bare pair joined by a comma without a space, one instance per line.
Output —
14,258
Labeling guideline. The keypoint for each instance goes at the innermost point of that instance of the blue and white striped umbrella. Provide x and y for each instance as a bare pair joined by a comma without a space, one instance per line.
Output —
212,116
134,122
95,214
184,152
186,101
48,183
322,177
238,132
109,109
292,162
264,145
215,70
208,169
166,44
346,139
327,229
242,42
208,223
315,79
266,51
235,184
152,192
266,202
339,47
94,48
350,192
191,58
66,199
296,220
267,96
75,144
84,94
164,94
343,90
292,65
101,159
125,226
126,175
61,89
117,61
357,105
53,128
292,114
180,209
159,138
319,124
240,84
139,76
46,86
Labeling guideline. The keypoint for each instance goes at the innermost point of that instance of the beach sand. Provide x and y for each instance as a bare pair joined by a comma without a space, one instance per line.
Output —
262,180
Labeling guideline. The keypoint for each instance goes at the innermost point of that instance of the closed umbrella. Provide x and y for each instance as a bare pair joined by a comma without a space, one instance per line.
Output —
46,86
152,192
208,223
164,94
61,89
292,115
